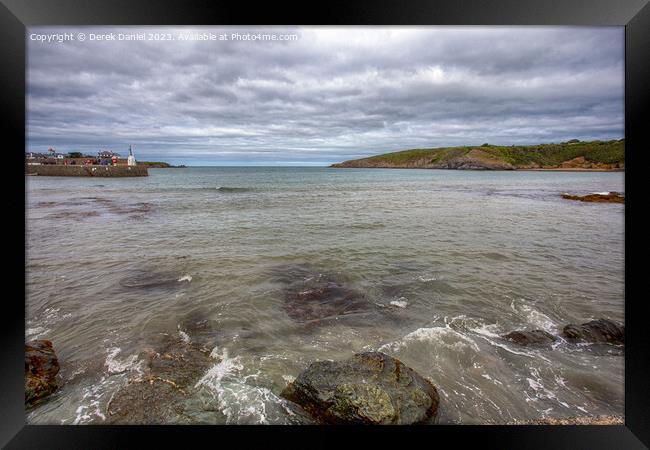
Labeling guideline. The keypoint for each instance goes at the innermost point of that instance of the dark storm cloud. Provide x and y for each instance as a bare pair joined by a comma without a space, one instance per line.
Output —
330,95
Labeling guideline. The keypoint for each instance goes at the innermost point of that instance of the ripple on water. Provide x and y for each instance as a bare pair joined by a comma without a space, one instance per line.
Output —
204,268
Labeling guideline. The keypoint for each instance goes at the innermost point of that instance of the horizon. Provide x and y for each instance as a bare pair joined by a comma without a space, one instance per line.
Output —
330,94
226,163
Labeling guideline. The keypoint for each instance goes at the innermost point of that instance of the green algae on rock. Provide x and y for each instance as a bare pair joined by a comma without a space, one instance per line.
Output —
41,367
369,388
597,197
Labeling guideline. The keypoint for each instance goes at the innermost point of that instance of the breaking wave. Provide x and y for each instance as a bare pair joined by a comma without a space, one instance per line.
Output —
240,402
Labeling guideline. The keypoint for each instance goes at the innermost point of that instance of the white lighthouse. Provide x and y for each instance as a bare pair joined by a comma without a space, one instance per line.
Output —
130,161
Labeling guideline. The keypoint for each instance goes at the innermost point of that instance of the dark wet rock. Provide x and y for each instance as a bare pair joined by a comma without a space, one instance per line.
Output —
147,401
609,197
601,330
94,206
134,210
323,300
369,388
534,337
45,204
202,332
234,190
311,296
41,367
77,215
146,280
158,395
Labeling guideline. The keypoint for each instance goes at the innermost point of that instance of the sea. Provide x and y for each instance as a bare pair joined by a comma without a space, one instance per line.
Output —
446,262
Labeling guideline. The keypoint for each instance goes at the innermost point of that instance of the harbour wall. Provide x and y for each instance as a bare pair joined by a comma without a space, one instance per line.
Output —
86,171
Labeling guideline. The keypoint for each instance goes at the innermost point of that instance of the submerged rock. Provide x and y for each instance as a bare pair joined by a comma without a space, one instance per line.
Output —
601,330
534,337
311,296
369,388
41,367
158,395
323,300
602,197
150,280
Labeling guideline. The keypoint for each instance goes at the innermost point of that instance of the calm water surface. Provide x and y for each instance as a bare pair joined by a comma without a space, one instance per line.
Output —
449,260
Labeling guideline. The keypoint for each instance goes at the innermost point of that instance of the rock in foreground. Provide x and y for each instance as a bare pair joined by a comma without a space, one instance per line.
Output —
157,395
603,197
534,337
601,330
41,367
369,388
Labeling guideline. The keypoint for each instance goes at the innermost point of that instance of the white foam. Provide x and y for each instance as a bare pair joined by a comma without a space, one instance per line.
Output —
561,381
237,400
216,373
288,378
427,279
51,313
36,332
487,330
444,336
487,333
601,193
541,392
91,397
41,326
510,350
184,336
534,317
117,366
187,278
400,302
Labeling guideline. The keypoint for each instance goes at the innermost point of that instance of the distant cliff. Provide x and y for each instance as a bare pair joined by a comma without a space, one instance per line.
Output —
571,155
155,164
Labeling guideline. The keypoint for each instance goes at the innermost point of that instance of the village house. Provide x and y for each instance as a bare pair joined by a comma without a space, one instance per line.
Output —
104,158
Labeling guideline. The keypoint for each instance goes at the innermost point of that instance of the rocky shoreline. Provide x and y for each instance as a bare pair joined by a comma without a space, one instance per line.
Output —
595,331
597,197
41,368
367,388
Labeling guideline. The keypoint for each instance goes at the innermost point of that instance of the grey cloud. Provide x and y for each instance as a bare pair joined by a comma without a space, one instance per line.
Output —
334,94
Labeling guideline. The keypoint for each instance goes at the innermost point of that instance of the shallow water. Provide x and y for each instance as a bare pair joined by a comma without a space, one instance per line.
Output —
440,263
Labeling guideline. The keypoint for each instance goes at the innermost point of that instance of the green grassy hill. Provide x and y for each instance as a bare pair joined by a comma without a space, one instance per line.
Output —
154,164
602,155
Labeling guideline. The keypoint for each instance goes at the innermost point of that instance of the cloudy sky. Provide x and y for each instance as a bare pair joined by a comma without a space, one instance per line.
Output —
327,95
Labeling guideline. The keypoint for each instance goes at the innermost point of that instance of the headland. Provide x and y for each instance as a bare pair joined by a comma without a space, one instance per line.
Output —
573,155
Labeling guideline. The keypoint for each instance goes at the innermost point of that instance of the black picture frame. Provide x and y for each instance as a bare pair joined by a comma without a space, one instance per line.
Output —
15,15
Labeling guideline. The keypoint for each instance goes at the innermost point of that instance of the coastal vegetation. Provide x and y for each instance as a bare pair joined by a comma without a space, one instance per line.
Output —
156,164
572,155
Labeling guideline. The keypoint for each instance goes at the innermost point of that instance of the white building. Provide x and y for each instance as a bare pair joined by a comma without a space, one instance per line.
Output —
130,161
